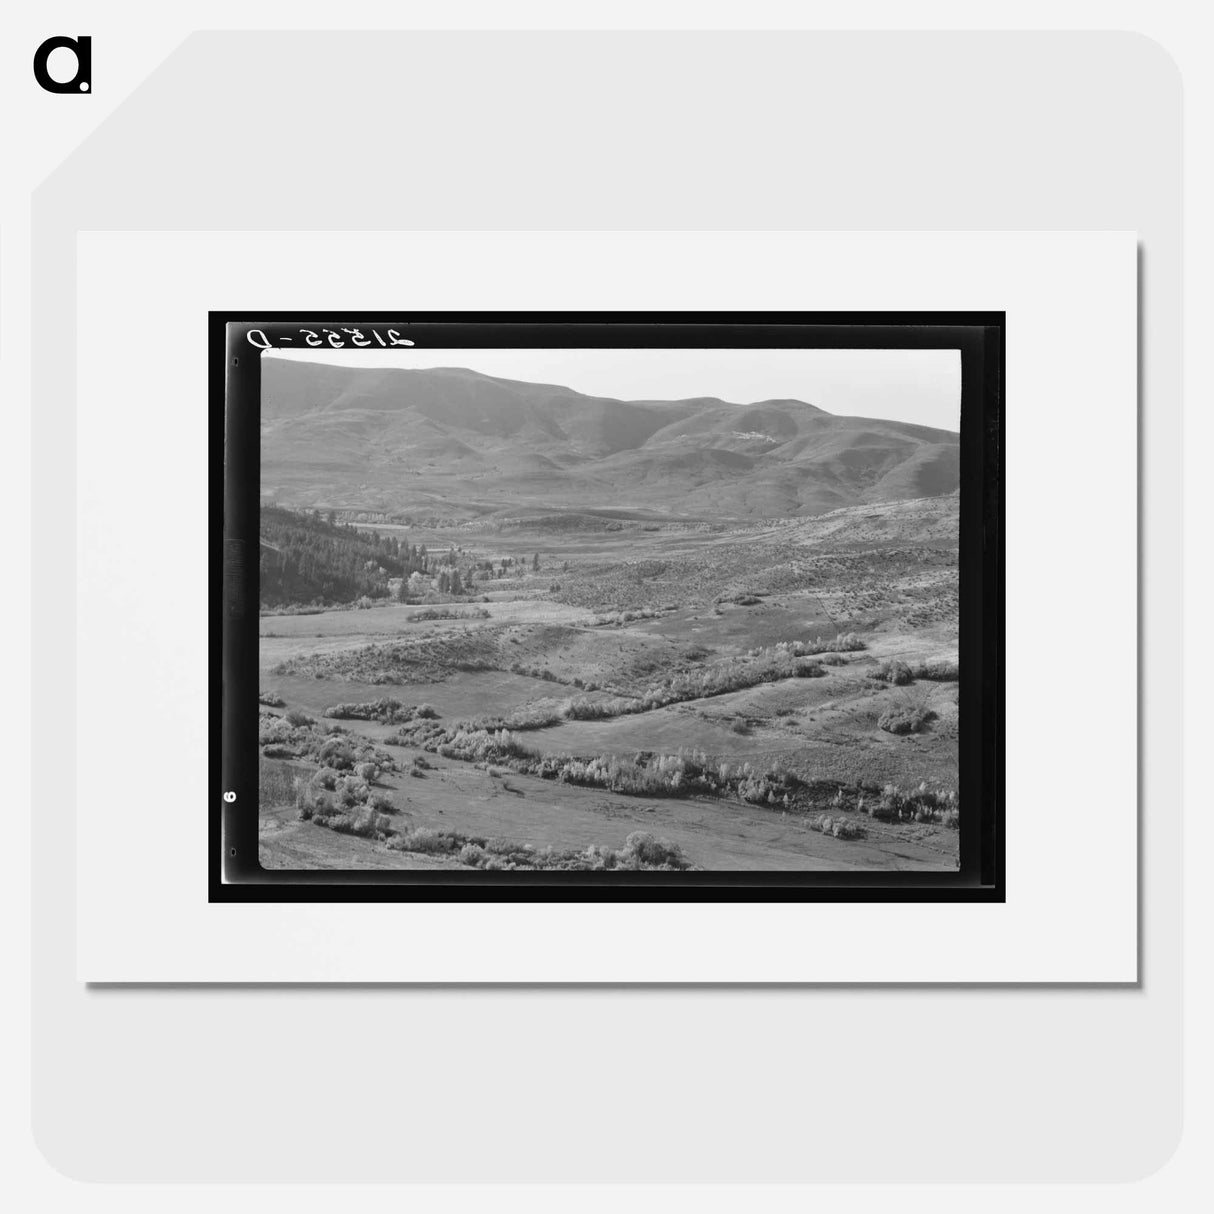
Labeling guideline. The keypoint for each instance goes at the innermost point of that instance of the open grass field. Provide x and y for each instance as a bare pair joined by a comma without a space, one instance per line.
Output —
774,694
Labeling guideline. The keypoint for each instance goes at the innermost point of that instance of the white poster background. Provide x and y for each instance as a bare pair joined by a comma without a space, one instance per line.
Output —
1071,424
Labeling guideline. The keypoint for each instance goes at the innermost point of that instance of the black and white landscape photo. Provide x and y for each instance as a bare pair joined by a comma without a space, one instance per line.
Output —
609,609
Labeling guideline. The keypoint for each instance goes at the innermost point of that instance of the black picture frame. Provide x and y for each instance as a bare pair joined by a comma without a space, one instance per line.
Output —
235,343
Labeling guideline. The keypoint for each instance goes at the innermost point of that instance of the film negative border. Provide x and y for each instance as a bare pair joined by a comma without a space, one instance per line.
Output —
236,341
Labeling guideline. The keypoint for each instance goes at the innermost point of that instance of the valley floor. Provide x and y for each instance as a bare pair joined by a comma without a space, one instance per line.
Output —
614,617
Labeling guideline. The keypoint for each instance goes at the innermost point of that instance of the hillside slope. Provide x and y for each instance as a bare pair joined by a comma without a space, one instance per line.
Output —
304,559
453,443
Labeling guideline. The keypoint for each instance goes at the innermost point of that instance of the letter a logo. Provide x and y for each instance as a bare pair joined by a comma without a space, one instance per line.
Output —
82,81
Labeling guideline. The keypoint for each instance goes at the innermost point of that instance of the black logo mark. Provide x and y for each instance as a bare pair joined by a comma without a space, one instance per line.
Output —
82,81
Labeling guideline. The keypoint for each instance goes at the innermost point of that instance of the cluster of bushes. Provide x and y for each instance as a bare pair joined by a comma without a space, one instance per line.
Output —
282,738
484,746
541,714
348,806
839,827
641,852
345,802
731,674
611,618
547,676
692,774
899,673
270,699
293,609
939,671
279,739
646,851
583,708
536,672
889,803
645,774
349,787
772,787
385,710
365,822
682,775
905,718
893,672
920,804
846,642
428,842
538,715
447,613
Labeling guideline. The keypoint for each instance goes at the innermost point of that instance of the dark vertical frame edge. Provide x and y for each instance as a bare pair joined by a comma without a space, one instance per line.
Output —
235,387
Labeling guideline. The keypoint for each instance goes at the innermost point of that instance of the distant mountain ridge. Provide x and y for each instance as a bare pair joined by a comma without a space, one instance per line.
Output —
453,442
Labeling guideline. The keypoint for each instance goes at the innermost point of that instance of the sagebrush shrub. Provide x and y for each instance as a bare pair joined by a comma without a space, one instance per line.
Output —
363,822
920,804
313,804
905,720
652,851
472,854
938,671
846,642
896,673
386,709
338,753
351,792
837,826
427,841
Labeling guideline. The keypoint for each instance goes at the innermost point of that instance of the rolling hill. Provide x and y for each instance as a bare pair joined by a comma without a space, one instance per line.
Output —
453,443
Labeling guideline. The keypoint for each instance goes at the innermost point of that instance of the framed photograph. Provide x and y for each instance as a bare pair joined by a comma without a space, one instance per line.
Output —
619,606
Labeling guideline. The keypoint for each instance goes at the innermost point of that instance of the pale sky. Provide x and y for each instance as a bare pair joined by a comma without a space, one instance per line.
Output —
921,386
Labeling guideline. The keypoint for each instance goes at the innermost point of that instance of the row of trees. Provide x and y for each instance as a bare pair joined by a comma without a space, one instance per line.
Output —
445,576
